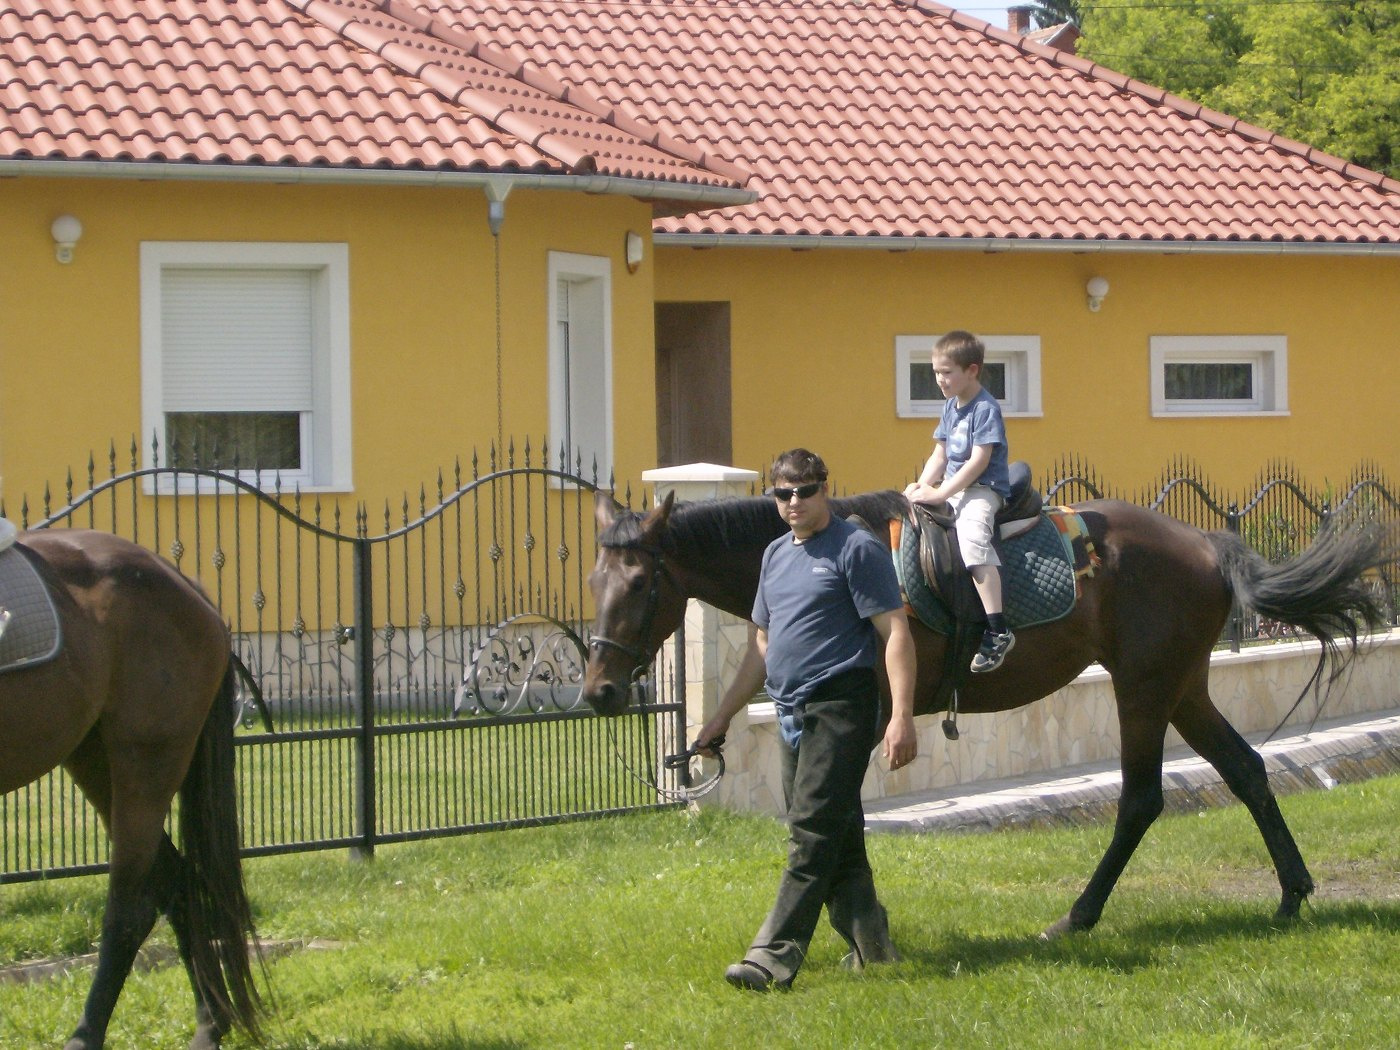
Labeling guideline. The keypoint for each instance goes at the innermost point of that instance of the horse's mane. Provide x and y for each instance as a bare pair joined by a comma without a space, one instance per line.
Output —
713,526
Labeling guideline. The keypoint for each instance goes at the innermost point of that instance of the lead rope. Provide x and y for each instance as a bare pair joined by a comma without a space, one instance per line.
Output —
679,761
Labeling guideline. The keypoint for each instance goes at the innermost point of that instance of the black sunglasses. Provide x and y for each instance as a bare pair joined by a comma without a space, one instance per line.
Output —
806,491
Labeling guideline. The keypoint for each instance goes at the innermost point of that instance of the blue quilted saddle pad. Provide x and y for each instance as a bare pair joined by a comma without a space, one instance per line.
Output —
1040,572
31,632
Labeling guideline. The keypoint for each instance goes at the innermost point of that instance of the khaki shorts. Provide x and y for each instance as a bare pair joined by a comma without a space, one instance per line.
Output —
976,506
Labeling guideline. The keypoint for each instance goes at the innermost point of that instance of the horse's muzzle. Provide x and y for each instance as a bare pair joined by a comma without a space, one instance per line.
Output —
606,698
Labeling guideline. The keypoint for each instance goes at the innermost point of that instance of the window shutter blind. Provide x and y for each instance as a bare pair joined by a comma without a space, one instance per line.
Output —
237,340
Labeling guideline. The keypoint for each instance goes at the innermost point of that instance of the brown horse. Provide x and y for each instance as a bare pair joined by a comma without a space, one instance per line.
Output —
137,705
1150,614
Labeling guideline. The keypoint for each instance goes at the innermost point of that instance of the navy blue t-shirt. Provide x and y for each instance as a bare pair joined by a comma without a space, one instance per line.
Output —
979,422
815,600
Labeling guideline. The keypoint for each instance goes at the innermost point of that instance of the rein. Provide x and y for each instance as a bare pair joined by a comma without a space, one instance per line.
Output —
680,760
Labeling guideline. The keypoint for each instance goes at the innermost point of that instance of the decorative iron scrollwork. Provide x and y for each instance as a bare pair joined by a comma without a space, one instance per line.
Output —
518,670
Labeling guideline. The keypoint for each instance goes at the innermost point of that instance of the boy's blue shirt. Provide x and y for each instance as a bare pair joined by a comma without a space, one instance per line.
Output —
963,427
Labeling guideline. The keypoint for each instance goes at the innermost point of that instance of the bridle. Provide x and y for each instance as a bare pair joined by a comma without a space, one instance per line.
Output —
636,652
642,663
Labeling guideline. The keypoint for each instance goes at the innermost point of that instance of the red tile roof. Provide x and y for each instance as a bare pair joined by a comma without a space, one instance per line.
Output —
297,83
862,121
889,119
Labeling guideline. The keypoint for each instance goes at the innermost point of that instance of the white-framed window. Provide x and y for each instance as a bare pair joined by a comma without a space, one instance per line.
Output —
580,359
245,359
1011,373
1211,375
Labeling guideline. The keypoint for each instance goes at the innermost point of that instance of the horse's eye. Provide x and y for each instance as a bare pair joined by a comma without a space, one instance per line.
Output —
636,584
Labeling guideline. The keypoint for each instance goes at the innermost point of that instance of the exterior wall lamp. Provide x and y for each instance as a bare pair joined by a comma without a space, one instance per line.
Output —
66,232
634,246
1097,290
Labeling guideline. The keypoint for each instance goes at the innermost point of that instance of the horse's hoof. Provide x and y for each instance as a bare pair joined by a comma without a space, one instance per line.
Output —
1062,928
1291,904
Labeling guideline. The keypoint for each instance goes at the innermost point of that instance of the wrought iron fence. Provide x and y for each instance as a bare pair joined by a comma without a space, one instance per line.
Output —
1278,520
420,663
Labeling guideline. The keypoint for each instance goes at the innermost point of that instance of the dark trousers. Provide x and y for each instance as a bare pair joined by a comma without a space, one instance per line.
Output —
826,864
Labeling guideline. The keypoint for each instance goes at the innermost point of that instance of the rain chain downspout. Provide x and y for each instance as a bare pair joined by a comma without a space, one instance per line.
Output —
497,189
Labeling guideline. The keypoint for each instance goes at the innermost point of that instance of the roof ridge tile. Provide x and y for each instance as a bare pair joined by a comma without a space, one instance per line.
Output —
538,77
517,119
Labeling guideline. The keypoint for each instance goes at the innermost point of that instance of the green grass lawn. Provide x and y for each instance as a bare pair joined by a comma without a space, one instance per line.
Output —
615,933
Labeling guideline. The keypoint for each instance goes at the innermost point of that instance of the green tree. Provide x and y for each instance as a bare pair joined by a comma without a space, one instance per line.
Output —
1324,72
1191,49
1055,12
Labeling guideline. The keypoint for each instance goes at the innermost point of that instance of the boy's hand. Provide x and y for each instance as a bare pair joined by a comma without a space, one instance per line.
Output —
918,493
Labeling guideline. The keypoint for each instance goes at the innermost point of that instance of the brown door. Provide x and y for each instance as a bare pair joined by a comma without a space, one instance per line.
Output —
692,384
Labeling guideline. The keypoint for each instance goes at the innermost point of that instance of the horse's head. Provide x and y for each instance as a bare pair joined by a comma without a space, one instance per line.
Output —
637,602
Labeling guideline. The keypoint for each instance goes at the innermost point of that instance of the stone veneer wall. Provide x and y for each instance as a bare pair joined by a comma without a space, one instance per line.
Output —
1077,724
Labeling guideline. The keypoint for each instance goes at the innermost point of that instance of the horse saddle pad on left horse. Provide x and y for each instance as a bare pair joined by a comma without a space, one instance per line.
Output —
1040,570
31,632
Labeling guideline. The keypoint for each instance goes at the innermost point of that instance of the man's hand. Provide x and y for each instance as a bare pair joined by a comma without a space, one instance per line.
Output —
714,729
901,742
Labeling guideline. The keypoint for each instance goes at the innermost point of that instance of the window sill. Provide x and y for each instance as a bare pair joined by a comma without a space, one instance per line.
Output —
1161,413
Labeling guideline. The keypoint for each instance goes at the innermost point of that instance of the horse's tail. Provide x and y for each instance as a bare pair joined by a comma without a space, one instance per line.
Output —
1324,590
222,937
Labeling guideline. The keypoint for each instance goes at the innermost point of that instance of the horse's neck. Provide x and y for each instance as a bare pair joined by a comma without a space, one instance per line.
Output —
729,582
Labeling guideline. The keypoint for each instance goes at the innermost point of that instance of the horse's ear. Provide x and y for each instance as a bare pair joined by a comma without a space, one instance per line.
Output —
657,517
605,508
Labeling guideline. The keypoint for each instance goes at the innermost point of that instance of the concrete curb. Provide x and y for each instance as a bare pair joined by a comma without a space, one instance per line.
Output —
1337,752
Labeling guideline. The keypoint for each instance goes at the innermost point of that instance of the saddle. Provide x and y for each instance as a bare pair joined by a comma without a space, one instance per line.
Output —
1044,554
939,555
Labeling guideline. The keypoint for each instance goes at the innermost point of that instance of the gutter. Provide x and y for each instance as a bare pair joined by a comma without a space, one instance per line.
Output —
496,184
994,245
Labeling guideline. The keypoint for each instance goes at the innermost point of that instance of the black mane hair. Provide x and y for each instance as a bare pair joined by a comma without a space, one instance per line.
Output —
710,527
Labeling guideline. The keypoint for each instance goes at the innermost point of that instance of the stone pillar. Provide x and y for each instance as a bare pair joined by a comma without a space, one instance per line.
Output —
714,641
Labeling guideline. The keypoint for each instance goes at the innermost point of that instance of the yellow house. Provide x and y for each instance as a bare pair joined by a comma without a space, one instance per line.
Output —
654,235
336,249
919,170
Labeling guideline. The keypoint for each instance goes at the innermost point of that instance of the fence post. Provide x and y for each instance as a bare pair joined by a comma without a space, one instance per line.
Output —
365,815
677,738
714,642
1236,628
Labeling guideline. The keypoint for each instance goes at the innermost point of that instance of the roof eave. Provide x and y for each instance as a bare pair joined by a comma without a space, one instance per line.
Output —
668,197
994,245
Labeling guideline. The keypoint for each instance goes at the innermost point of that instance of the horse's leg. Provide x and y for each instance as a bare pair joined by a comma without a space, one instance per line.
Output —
126,921
1242,768
211,1018
138,887
1143,730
